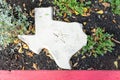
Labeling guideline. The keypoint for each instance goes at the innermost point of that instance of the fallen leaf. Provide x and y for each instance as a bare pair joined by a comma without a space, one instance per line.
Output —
81,1
86,14
30,54
45,50
25,46
24,5
23,68
96,39
31,29
116,64
50,56
100,12
85,10
10,7
64,15
114,21
105,4
119,57
93,30
100,0
16,41
96,9
84,23
20,50
83,57
35,66
76,12
90,68
32,13
66,19
75,64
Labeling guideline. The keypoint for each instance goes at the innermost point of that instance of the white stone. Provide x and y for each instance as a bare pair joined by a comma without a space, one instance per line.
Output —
62,39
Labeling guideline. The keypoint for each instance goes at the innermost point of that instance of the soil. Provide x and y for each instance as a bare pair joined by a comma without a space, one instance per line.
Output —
11,59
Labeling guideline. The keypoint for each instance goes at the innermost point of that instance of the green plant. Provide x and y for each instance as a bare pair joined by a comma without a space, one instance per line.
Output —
70,6
98,43
115,4
12,22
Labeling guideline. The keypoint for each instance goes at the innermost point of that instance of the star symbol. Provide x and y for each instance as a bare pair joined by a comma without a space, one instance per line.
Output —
60,36
62,39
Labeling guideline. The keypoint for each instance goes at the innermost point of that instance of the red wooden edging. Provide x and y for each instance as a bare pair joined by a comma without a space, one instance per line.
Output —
59,75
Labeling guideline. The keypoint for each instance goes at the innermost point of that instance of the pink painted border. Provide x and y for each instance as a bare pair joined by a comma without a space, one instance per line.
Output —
60,75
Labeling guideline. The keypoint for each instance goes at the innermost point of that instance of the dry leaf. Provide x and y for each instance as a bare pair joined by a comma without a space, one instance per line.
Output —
31,29
24,5
100,0
30,54
96,9
116,64
25,46
76,12
75,64
93,30
50,56
66,19
64,15
81,1
119,57
83,57
100,12
85,10
20,50
114,21
86,14
23,68
16,41
32,13
105,4
35,66
45,50
10,7
84,23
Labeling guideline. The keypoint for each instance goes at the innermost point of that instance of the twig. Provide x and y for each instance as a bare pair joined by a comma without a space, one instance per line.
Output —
116,41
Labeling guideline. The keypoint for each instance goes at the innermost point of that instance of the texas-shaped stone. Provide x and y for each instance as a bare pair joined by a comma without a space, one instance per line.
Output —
62,39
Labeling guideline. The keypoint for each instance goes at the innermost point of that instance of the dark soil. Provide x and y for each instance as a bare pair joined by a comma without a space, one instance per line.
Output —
11,59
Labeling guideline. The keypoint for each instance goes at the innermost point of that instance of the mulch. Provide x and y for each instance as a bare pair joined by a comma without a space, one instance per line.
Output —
12,59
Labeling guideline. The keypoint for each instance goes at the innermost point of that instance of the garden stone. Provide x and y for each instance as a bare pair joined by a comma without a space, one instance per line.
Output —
62,39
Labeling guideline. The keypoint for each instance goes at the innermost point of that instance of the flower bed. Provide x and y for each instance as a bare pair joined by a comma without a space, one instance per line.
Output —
96,14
